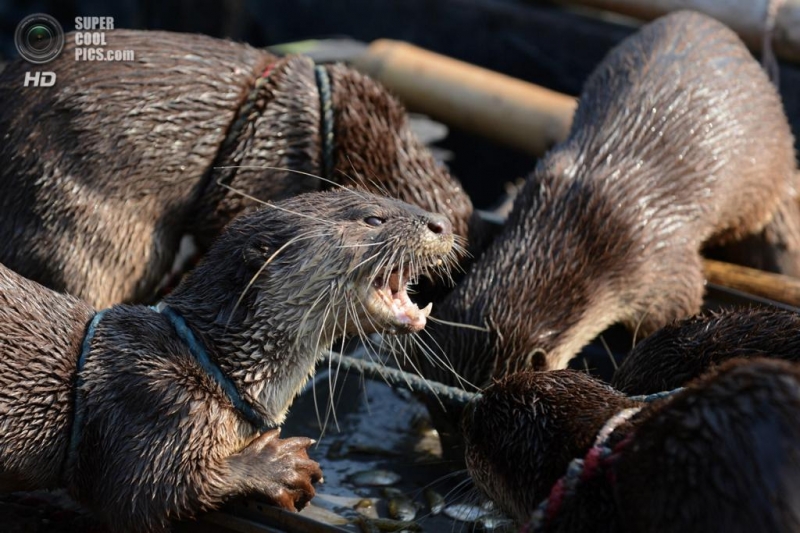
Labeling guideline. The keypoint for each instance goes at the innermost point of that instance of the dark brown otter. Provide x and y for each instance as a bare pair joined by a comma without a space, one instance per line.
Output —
721,455
679,139
158,437
101,174
684,350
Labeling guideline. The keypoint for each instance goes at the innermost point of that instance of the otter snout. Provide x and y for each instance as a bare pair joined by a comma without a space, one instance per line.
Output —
436,230
439,224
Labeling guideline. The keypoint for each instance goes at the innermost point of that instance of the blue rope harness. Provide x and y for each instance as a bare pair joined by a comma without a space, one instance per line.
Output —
77,419
647,398
197,350
326,119
201,356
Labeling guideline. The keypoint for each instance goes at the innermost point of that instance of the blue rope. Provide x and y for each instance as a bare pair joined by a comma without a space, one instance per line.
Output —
326,119
197,350
77,416
647,398
201,356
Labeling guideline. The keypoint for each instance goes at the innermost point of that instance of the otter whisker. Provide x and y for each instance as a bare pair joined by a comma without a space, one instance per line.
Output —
608,351
383,190
362,263
302,236
365,345
431,390
357,184
392,259
451,259
293,171
311,309
368,245
371,355
639,324
329,297
462,489
413,270
269,204
445,477
442,361
325,313
361,332
333,378
460,245
375,181
383,343
459,324
316,407
416,370
361,179
380,268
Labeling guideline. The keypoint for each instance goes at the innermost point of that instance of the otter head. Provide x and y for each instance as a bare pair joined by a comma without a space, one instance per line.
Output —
375,147
281,284
524,430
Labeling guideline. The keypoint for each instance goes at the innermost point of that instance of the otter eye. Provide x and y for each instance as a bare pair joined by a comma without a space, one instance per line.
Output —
374,221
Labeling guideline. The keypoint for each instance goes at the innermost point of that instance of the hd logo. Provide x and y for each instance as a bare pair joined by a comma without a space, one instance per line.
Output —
40,79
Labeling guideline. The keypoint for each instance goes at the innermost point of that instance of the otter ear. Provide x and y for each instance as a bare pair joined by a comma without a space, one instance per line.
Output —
257,250
555,163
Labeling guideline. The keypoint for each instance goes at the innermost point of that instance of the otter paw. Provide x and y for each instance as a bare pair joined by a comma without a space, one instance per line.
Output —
280,469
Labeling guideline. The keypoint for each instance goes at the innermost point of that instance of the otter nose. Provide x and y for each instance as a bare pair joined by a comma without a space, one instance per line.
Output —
440,225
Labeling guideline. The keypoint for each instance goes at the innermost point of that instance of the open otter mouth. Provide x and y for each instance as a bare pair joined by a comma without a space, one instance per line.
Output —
391,304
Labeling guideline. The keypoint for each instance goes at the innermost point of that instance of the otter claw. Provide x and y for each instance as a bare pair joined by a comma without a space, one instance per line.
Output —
279,469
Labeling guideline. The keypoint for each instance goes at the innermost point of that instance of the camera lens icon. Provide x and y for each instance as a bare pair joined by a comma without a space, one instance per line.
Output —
39,38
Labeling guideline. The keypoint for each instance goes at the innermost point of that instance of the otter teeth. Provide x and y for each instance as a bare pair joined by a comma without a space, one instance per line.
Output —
426,311
395,298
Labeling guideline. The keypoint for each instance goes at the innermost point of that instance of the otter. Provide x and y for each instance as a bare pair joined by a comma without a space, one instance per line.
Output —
102,174
150,414
721,455
682,351
679,140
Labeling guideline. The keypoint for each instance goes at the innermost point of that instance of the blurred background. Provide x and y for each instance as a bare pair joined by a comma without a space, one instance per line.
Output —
545,43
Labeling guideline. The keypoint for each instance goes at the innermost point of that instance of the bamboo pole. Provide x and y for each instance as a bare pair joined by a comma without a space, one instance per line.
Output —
502,108
746,17
776,287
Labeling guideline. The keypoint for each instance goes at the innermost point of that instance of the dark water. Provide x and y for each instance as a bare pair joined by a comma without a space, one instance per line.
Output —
375,429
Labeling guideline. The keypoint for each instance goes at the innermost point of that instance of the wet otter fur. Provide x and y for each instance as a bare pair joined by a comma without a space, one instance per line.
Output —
684,350
679,140
159,438
101,174
722,455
